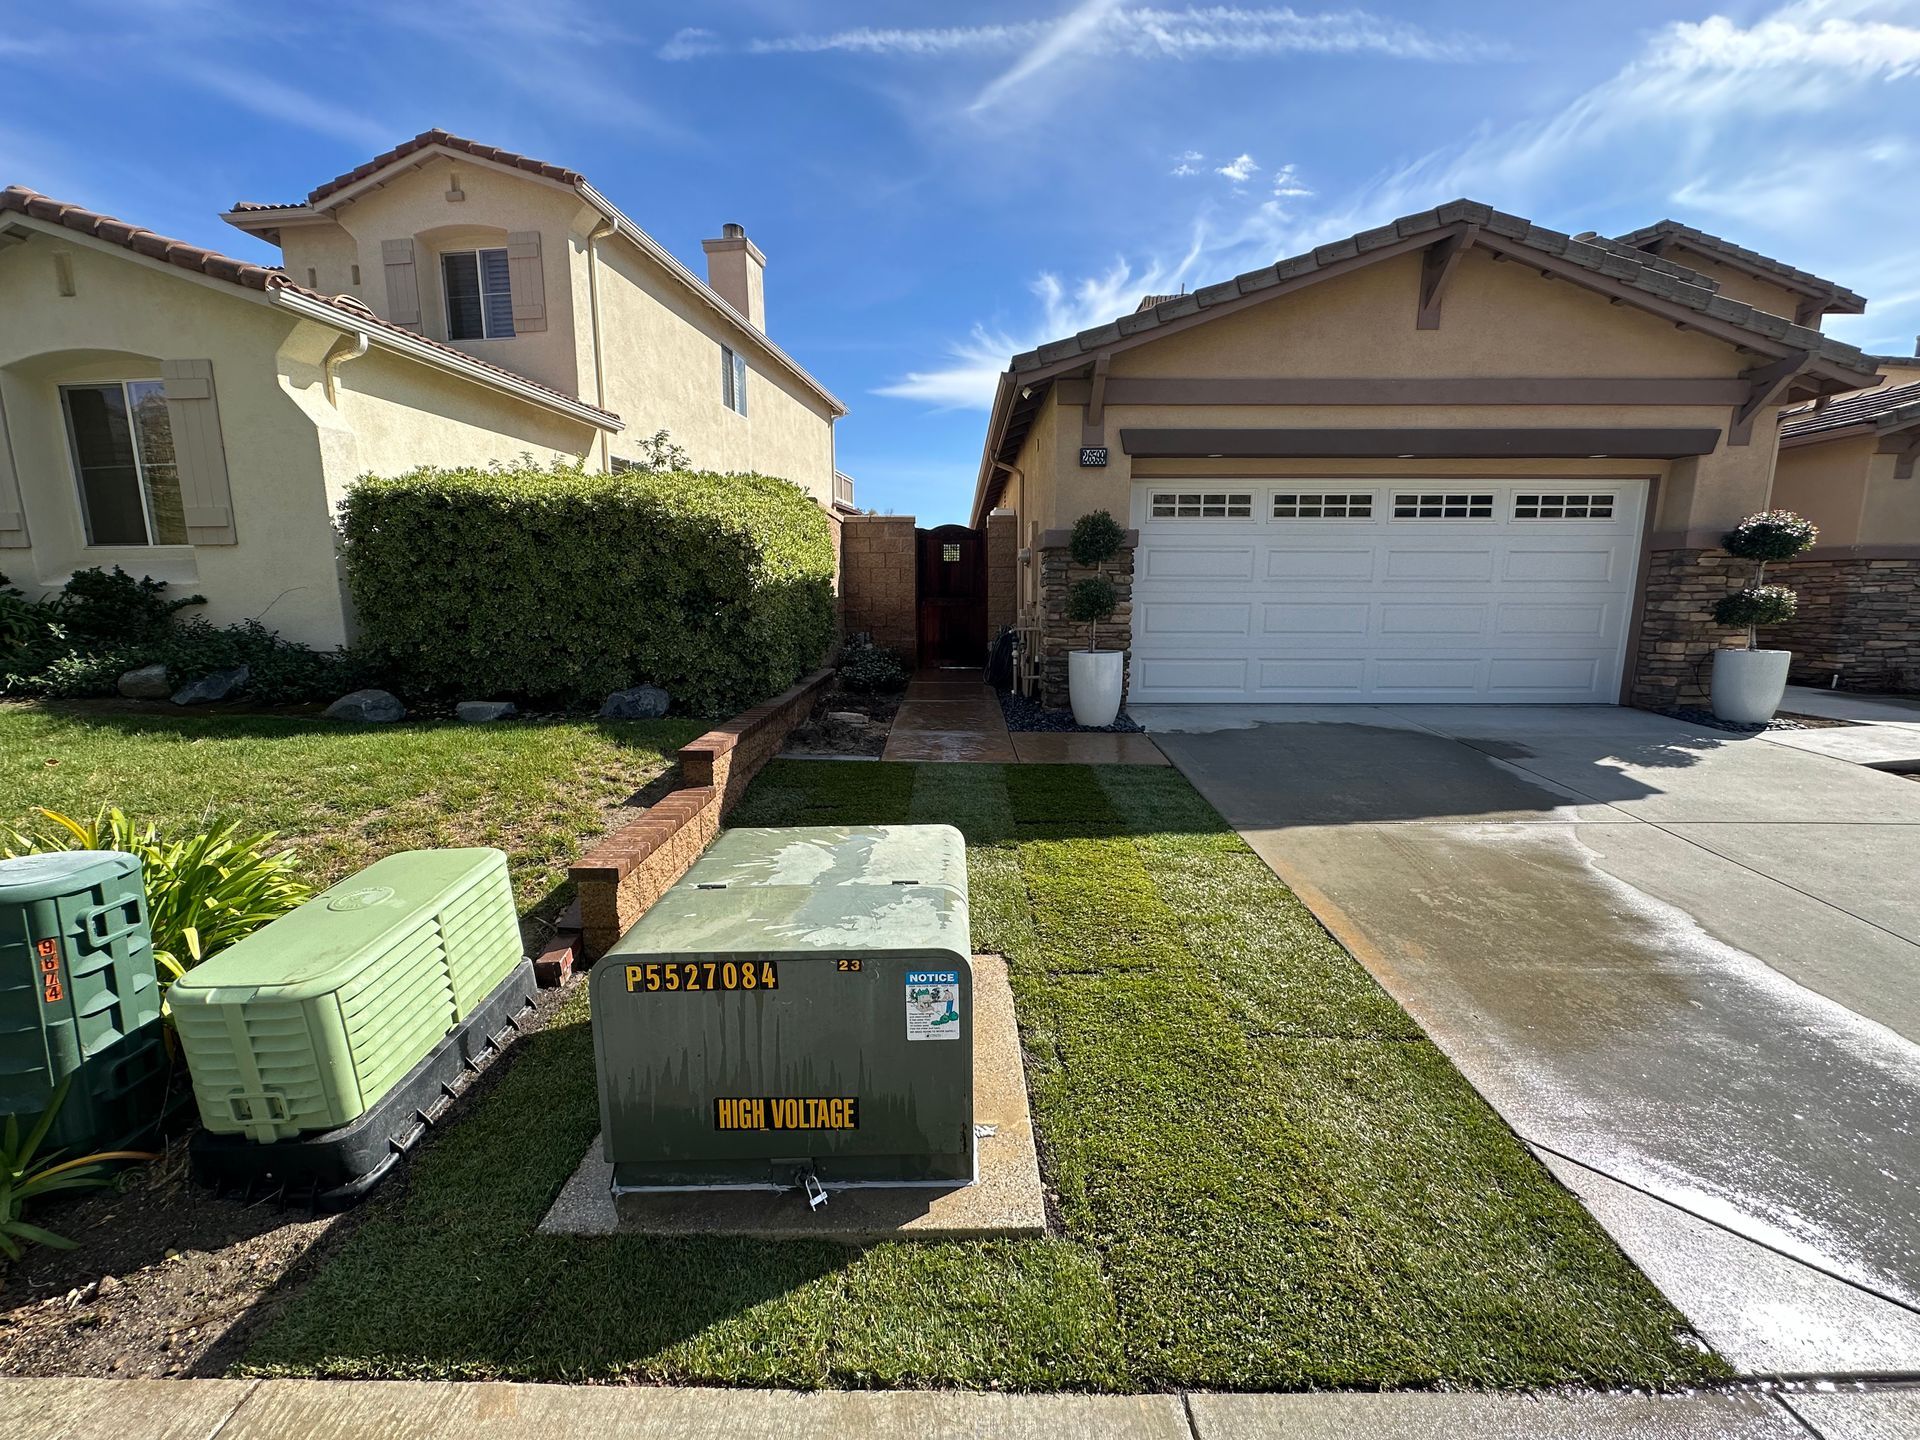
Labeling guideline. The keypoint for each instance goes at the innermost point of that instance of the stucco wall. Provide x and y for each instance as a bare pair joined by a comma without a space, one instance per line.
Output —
125,317
662,352
1499,319
414,205
322,256
1827,484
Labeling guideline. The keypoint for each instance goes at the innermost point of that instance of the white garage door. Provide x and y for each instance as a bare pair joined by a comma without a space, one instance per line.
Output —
1462,591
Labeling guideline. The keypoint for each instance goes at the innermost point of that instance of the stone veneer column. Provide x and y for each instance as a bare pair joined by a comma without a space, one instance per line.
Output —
1003,571
1859,619
1677,633
1059,635
879,582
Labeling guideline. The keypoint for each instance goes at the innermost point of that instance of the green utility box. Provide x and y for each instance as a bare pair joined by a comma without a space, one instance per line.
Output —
309,1021
79,998
798,1008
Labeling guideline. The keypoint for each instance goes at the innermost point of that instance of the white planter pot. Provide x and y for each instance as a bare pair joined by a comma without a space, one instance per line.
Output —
1094,681
1748,684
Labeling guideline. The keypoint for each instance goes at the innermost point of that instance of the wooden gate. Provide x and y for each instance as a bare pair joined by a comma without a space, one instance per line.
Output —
952,596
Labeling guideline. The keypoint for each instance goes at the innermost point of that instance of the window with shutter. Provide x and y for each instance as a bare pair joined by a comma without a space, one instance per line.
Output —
528,283
733,380
193,413
403,285
479,294
123,453
13,516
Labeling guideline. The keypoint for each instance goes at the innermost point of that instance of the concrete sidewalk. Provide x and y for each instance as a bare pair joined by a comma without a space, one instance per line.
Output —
402,1410
1882,731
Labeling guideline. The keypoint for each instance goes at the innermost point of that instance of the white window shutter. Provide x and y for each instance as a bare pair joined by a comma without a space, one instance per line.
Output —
403,286
528,283
13,516
198,451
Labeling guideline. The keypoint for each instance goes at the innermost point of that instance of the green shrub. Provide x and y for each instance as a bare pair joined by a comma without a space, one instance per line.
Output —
1092,601
1757,605
101,608
1096,539
870,669
556,585
203,893
1771,535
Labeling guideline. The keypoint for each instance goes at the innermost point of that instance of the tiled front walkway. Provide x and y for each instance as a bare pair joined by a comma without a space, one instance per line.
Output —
955,715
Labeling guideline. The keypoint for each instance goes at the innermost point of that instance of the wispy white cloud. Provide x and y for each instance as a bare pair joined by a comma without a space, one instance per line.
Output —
1103,27
972,368
274,100
1240,169
1069,38
1188,164
690,43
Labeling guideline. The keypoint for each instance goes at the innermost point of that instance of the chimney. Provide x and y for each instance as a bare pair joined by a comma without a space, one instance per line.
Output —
736,272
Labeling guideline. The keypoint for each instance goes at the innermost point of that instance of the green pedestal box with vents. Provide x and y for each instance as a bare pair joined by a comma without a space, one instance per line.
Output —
797,1010
307,1023
79,999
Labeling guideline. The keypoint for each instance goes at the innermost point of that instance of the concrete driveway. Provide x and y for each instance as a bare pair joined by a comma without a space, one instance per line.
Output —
1683,964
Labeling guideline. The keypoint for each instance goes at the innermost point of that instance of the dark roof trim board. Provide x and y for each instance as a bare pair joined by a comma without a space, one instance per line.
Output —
274,285
1427,443
1610,268
1661,233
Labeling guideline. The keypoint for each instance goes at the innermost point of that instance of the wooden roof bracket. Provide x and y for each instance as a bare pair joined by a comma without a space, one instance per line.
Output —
1767,385
1904,444
1437,264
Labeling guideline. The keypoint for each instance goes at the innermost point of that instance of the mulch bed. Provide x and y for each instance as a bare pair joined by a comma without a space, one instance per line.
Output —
170,1279
1030,715
830,730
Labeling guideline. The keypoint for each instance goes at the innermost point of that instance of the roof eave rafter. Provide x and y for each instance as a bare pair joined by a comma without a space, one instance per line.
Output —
1437,265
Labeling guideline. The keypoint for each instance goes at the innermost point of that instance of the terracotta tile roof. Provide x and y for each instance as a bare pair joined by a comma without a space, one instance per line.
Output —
1894,408
1838,296
427,139
1147,302
269,205
20,200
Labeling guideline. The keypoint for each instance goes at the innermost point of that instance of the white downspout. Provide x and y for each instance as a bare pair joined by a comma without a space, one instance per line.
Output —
599,232
337,357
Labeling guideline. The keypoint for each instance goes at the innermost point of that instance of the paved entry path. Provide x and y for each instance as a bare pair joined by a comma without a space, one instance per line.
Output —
1683,964
955,715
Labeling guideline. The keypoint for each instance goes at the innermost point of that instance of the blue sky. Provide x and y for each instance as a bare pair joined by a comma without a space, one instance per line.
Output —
938,186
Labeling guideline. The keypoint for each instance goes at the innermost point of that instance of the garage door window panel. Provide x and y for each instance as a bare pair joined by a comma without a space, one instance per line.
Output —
1442,505
1581,505
1202,505
1306,505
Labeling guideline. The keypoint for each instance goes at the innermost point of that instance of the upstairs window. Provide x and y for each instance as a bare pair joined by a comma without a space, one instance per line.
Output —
122,442
479,295
733,380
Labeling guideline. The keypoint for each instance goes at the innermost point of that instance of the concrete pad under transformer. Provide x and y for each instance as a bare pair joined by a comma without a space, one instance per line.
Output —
1006,1200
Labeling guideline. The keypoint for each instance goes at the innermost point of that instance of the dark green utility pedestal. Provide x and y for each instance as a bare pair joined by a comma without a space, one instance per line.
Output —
79,997
797,1010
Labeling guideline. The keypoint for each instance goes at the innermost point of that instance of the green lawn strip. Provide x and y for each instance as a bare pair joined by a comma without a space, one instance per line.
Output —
1265,1178
342,795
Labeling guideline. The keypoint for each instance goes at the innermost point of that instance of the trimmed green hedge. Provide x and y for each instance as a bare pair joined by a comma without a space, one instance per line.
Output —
557,585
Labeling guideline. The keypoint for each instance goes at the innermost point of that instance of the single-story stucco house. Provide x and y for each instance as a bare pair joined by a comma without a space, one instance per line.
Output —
197,418
1456,458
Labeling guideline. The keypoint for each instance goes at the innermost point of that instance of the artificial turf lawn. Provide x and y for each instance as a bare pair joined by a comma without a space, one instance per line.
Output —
341,795
1265,1176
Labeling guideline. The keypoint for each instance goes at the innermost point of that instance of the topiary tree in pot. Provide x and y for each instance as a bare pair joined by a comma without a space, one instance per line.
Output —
1095,677
1748,683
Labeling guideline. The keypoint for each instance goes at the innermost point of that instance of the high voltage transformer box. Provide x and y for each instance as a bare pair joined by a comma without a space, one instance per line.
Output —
797,1010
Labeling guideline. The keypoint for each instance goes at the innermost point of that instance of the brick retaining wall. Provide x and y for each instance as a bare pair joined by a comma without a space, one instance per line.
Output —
621,877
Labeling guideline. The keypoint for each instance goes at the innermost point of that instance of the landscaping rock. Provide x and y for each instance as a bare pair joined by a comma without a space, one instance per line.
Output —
642,702
848,717
149,682
479,712
220,685
372,707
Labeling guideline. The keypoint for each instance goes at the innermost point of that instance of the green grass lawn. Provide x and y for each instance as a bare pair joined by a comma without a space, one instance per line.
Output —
1266,1177
341,795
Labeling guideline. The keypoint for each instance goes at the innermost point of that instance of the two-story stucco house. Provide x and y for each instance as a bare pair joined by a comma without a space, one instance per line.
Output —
197,418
